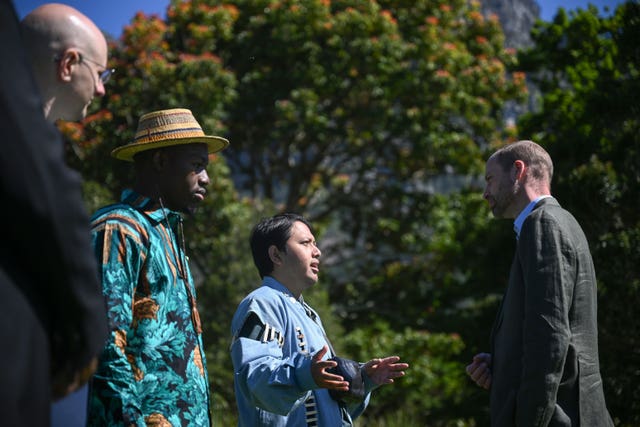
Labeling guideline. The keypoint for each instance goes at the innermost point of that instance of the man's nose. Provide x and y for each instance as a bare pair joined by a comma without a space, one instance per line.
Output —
203,178
100,89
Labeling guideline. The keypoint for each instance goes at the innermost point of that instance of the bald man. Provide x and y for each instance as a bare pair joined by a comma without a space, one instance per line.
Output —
69,57
52,314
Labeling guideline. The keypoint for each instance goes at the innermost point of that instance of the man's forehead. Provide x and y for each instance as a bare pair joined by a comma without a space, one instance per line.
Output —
494,165
491,164
300,229
197,149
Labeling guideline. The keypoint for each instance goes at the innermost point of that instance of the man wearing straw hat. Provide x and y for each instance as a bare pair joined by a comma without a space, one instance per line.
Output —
152,370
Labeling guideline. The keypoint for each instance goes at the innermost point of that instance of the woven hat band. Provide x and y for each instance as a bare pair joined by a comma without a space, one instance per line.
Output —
167,133
177,123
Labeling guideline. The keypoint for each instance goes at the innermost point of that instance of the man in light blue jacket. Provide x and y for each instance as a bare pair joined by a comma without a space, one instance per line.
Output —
279,348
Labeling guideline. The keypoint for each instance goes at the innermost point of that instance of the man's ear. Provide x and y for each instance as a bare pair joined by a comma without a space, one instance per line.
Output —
519,169
69,59
274,255
158,160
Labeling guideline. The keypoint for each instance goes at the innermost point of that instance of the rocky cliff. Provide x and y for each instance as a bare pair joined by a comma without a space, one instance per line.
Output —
517,18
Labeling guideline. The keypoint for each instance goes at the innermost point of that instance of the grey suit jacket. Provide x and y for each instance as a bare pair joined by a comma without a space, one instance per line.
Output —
545,368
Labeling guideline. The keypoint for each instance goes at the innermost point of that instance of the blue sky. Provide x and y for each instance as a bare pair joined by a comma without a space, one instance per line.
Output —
111,16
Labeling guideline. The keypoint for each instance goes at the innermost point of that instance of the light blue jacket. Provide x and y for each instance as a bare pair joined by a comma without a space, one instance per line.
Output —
273,381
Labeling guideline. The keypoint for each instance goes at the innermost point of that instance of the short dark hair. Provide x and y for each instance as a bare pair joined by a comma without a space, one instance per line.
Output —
532,154
272,231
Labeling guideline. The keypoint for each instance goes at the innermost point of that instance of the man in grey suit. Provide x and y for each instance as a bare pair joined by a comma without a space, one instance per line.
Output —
543,369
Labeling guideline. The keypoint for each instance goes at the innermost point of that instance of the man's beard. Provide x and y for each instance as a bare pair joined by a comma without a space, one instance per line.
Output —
506,198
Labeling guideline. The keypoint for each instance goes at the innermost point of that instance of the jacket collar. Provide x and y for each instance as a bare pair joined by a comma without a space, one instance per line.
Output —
517,224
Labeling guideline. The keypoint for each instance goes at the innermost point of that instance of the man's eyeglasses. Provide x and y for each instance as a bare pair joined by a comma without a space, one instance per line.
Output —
104,76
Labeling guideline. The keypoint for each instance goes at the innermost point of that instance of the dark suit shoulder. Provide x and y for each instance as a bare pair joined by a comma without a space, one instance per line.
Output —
549,217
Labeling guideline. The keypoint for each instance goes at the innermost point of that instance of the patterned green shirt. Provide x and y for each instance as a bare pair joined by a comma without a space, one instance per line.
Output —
152,370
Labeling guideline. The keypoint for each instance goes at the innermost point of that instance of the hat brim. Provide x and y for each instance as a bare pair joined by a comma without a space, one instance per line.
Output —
127,152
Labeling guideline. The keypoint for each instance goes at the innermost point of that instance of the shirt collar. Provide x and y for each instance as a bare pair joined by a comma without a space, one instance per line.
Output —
152,208
517,224
274,284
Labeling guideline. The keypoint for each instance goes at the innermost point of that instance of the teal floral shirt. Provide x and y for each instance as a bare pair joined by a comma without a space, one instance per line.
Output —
152,370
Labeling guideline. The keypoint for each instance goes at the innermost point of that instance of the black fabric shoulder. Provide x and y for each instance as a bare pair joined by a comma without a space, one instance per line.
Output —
253,328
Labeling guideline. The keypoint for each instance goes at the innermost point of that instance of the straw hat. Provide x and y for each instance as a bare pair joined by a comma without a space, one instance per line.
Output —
165,128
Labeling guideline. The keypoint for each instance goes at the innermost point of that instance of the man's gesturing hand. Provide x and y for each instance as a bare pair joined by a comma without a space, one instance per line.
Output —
383,371
323,378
